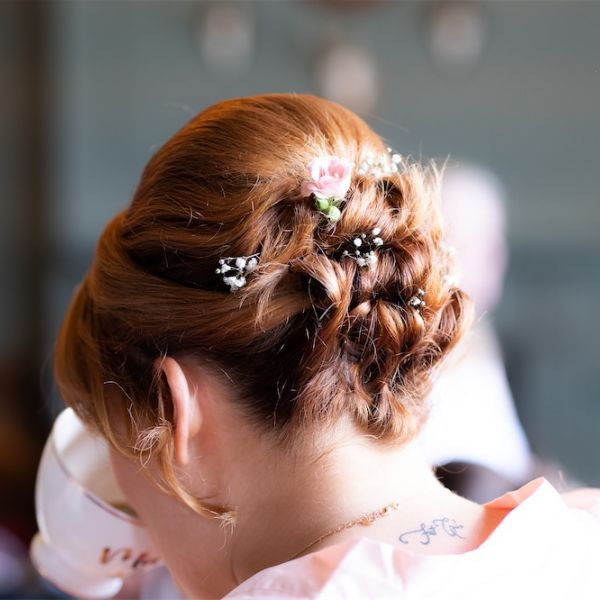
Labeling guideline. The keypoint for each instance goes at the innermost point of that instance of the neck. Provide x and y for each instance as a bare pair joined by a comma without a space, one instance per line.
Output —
296,504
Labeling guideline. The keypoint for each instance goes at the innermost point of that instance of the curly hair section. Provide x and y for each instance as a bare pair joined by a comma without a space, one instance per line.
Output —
312,336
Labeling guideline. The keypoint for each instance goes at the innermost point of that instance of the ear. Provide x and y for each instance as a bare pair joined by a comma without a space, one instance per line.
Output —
186,411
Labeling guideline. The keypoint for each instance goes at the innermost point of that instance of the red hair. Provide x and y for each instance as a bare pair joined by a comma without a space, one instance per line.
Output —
312,336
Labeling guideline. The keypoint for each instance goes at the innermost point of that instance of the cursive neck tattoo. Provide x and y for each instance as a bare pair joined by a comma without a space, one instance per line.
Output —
437,526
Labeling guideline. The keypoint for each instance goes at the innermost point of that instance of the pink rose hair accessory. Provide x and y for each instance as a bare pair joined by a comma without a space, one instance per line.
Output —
329,183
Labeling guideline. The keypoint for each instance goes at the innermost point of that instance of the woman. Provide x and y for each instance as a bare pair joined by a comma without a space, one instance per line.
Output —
256,337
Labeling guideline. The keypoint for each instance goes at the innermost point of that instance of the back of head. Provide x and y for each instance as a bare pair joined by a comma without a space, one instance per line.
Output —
312,337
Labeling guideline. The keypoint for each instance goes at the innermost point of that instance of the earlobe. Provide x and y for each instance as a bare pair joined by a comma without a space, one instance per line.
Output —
184,409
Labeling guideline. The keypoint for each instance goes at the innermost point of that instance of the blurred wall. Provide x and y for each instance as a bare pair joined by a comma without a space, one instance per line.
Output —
118,78
22,414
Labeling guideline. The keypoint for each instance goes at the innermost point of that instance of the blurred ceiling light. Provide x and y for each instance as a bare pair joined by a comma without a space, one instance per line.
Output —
347,73
457,32
225,36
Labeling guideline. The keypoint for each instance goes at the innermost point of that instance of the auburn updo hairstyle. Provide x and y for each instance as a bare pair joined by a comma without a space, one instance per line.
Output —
312,337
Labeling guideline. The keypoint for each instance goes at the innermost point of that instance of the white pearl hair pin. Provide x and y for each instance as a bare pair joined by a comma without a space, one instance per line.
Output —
364,252
233,270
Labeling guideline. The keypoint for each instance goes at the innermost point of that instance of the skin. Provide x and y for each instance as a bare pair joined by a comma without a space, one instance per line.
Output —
282,504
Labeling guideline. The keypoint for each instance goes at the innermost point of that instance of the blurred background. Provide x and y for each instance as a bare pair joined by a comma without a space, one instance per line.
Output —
90,89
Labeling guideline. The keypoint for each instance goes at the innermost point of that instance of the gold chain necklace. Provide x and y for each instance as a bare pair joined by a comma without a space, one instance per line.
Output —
364,520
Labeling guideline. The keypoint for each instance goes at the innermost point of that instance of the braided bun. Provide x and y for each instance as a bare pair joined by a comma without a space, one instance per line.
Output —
312,337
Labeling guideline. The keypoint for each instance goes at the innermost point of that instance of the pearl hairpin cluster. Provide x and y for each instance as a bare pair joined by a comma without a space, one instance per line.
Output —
364,252
234,269
382,164
417,301
449,279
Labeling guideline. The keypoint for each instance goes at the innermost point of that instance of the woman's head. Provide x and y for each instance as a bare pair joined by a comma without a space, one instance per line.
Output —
312,339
